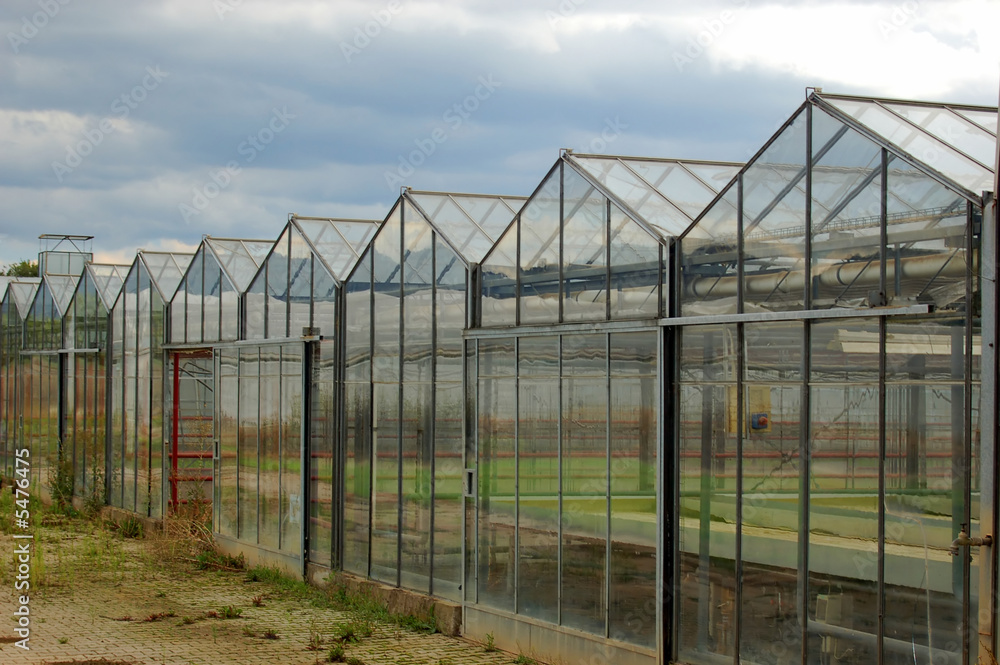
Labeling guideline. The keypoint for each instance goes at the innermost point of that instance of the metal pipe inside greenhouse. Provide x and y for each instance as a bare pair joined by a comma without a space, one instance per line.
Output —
843,274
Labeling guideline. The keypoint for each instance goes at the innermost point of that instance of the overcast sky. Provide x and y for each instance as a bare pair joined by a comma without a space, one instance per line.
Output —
150,124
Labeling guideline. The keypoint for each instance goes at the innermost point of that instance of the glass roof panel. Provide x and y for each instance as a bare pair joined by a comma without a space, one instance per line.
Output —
640,196
62,288
928,149
108,281
4,281
23,292
716,176
985,119
666,193
338,242
238,260
682,187
471,223
166,270
493,214
952,129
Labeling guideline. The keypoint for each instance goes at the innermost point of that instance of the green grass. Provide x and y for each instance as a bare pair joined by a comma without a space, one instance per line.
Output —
364,607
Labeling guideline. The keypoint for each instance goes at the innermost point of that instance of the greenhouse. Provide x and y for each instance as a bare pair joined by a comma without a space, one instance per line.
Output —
135,347
84,393
14,307
659,411
404,372
275,407
204,311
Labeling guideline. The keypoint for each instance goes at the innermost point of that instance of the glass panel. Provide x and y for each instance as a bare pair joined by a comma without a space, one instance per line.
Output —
324,301
386,499
322,433
449,447
846,215
455,224
584,485
707,508
771,470
926,484
708,261
493,215
539,261
985,119
256,303
195,289
679,184
387,269
415,501
635,269
585,227
538,498
633,408
774,210
449,435
300,285
290,513
926,148
498,303
227,502
229,312
418,305
357,477
952,130
843,482
249,440
213,286
278,296
641,196
269,475
927,240
358,417
497,472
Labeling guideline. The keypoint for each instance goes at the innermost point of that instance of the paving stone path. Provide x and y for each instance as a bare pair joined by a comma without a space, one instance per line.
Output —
104,599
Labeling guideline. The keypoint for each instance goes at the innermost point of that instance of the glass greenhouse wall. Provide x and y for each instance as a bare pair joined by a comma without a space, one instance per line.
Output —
14,305
660,411
41,366
566,520
205,311
135,444
84,412
828,430
276,419
407,303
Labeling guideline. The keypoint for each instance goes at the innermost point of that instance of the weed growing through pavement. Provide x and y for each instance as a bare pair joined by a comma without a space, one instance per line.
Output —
335,654
269,635
490,645
230,612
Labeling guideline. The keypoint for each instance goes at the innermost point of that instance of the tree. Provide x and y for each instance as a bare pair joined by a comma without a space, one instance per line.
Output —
23,268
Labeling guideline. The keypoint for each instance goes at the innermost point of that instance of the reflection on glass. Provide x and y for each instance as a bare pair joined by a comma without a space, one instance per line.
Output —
497,473
633,411
538,498
844,480
707,483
